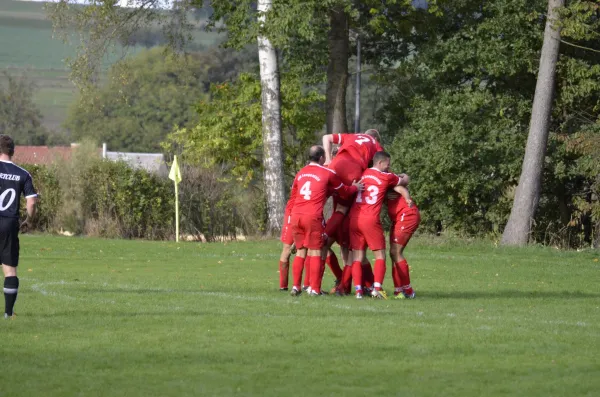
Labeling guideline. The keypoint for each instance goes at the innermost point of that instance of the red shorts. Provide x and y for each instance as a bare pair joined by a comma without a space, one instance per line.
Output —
366,232
286,230
403,227
308,231
348,170
342,234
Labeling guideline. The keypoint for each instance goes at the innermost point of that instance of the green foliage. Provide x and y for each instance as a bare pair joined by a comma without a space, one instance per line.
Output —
90,196
104,198
466,116
229,130
19,116
462,151
48,188
143,100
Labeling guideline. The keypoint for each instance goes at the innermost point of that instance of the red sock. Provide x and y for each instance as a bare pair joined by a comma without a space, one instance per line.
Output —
315,264
346,279
297,267
284,274
396,277
379,273
307,274
367,275
334,265
357,275
333,223
404,273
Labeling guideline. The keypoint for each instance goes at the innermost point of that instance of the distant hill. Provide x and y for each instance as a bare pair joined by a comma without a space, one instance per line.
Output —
27,47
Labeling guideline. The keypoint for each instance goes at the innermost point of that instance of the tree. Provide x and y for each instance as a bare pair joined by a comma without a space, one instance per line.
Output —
337,69
271,125
136,110
527,195
228,132
19,116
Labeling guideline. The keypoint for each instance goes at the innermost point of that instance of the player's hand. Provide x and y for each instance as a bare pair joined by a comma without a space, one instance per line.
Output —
327,162
25,226
404,179
410,203
359,185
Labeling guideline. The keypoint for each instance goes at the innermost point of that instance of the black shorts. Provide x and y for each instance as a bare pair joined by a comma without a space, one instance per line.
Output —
9,241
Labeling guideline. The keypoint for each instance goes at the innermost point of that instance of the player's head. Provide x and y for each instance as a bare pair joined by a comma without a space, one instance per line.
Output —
316,154
7,145
382,161
374,133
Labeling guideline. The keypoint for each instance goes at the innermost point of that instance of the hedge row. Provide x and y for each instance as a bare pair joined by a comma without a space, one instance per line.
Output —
90,196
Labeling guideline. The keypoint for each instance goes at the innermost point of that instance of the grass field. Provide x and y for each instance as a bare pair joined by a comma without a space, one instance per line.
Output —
27,47
135,318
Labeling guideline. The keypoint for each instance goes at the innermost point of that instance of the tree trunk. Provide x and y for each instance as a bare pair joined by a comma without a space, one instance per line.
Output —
527,195
271,127
337,70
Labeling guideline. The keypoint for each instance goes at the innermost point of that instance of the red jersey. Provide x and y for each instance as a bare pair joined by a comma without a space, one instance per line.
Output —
397,206
360,147
312,185
290,204
368,202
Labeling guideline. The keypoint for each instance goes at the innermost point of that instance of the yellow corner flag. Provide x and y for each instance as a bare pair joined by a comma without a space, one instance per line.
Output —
175,173
175,176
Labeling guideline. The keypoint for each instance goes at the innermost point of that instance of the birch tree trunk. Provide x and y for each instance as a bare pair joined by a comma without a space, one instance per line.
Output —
271,127
337,71
527,195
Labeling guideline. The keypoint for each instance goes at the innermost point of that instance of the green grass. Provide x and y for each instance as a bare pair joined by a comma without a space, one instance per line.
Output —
135,318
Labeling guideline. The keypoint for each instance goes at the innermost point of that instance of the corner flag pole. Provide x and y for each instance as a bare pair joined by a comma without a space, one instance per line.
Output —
175,176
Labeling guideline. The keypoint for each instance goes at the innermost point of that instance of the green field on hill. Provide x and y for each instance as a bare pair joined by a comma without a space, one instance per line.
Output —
138,318
27,47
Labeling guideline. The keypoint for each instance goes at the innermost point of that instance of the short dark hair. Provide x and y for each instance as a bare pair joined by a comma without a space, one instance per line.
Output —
379,156
7,145
374,133
315,153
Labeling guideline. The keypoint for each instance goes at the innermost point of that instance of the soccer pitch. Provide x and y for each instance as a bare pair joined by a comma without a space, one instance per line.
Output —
136,318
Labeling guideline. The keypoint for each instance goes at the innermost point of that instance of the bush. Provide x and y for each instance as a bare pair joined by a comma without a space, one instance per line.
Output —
95,197
214,207
47,185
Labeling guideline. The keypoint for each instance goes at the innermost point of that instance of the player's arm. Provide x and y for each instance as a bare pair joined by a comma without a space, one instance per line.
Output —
31,201
403,191
328,141
328,145
345,191
290,204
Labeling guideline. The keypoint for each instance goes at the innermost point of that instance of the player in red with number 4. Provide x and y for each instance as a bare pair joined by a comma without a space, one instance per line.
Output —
365,225
310,187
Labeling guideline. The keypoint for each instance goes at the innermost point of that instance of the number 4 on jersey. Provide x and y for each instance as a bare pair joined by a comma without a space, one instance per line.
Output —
305,191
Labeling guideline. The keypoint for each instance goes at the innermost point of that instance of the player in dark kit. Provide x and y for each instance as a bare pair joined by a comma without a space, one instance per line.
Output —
14,181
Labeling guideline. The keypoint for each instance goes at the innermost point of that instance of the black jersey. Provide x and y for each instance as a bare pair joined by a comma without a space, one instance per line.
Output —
14,181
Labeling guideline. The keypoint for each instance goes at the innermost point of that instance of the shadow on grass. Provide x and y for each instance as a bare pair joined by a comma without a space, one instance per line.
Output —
421,294
506,294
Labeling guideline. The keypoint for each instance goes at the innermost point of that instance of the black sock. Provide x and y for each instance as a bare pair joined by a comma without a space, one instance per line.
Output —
11,287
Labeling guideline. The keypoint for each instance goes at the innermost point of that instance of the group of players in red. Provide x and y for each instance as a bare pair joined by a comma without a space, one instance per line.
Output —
358,193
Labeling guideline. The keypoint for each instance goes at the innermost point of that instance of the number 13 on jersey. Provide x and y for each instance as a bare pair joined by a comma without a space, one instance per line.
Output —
371,198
